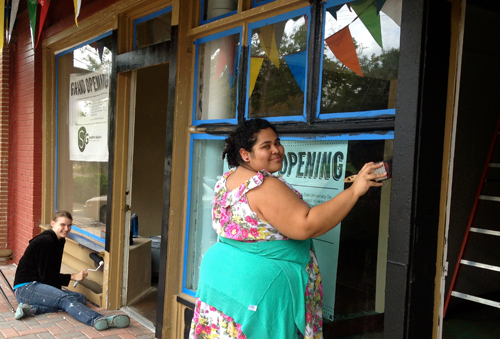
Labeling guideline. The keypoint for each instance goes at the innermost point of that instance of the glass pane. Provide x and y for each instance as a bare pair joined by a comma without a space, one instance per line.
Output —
218,8
217,78
277,68
153,31
352,256
82,134
360,66
205,173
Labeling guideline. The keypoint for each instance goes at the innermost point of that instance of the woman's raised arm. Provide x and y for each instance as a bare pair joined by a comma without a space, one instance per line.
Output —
274,202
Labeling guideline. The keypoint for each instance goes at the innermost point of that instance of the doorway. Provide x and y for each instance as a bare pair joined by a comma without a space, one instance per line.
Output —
144,199
476,118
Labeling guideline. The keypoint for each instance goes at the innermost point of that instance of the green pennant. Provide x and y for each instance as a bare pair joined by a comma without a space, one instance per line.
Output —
367,13
32,4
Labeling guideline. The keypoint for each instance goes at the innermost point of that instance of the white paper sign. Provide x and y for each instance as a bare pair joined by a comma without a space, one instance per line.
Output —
88,116
317,170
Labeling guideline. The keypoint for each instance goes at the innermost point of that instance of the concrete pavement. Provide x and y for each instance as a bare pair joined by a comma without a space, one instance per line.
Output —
58,325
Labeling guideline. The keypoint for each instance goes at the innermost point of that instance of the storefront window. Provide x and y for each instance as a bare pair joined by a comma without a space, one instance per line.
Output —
153,29
351,256
276,79
360,60
83,78
216,82
217,9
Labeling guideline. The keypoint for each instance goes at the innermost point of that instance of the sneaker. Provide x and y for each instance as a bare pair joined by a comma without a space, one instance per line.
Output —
23,310
114,321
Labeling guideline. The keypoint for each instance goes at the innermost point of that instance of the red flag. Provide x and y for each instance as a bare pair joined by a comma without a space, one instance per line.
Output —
43,14
343,48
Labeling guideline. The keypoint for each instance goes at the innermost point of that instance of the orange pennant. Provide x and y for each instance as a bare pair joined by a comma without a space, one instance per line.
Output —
343,48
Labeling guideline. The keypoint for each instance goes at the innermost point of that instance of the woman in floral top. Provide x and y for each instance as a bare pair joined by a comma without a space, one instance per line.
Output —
252,207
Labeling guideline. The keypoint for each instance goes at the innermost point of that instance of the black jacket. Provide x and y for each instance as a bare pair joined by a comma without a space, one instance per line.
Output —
42,261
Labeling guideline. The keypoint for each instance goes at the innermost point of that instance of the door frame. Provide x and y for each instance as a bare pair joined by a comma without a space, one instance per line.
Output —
150,56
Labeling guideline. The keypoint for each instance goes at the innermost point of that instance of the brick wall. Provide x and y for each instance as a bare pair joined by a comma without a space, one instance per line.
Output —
25,136
4,143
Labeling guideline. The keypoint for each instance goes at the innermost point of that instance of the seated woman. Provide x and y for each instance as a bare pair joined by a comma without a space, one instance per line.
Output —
38,281
261,280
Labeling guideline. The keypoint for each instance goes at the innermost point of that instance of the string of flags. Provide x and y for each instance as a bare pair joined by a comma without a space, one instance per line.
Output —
8,14
340,43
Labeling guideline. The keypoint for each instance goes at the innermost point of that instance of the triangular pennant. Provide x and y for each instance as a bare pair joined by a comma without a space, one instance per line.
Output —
32,4
279,28
344,49
297,64
367,12
255,65
43,14
77,4
268,43
333,10
13,15
392,8
380,4
2,20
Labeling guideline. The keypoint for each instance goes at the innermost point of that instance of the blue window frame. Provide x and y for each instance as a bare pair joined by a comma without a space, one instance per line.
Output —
277,64
204,173
215,96
256,3
343,93
83,194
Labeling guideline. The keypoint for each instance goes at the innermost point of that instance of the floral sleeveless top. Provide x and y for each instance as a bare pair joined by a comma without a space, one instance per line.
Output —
233,218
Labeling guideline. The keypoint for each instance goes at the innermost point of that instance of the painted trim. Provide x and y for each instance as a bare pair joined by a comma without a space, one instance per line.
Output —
260,3
88,234
270,21
146,18
197,43
360,114
56,155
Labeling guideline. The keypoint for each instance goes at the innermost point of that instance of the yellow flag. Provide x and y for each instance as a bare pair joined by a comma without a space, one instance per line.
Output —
2,20
78,4
268,42
255,65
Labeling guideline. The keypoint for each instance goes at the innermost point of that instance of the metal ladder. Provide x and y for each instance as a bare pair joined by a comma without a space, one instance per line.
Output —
480,196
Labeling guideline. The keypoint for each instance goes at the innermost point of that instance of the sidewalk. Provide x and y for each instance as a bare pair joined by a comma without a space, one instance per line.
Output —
57,325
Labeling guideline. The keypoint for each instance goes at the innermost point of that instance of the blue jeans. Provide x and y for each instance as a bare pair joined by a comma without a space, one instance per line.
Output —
48,299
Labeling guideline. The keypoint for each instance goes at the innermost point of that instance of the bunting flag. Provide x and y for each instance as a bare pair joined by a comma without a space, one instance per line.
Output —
77,4
279,28
297,64
13,15
380,4
255,65
367,13
268,42
392,8
43,14
333,10
343,48
2,20
32,13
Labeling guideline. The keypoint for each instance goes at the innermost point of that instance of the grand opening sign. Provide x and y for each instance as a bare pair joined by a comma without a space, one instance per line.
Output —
316,168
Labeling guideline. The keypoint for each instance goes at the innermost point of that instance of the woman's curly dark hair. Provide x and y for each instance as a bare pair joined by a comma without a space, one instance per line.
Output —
244,137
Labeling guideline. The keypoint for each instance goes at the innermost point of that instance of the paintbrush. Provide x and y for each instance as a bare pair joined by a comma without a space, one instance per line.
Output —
387,168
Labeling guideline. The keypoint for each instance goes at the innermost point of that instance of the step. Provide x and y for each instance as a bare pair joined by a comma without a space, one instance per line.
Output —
485,231
476,299
489,198
480,265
